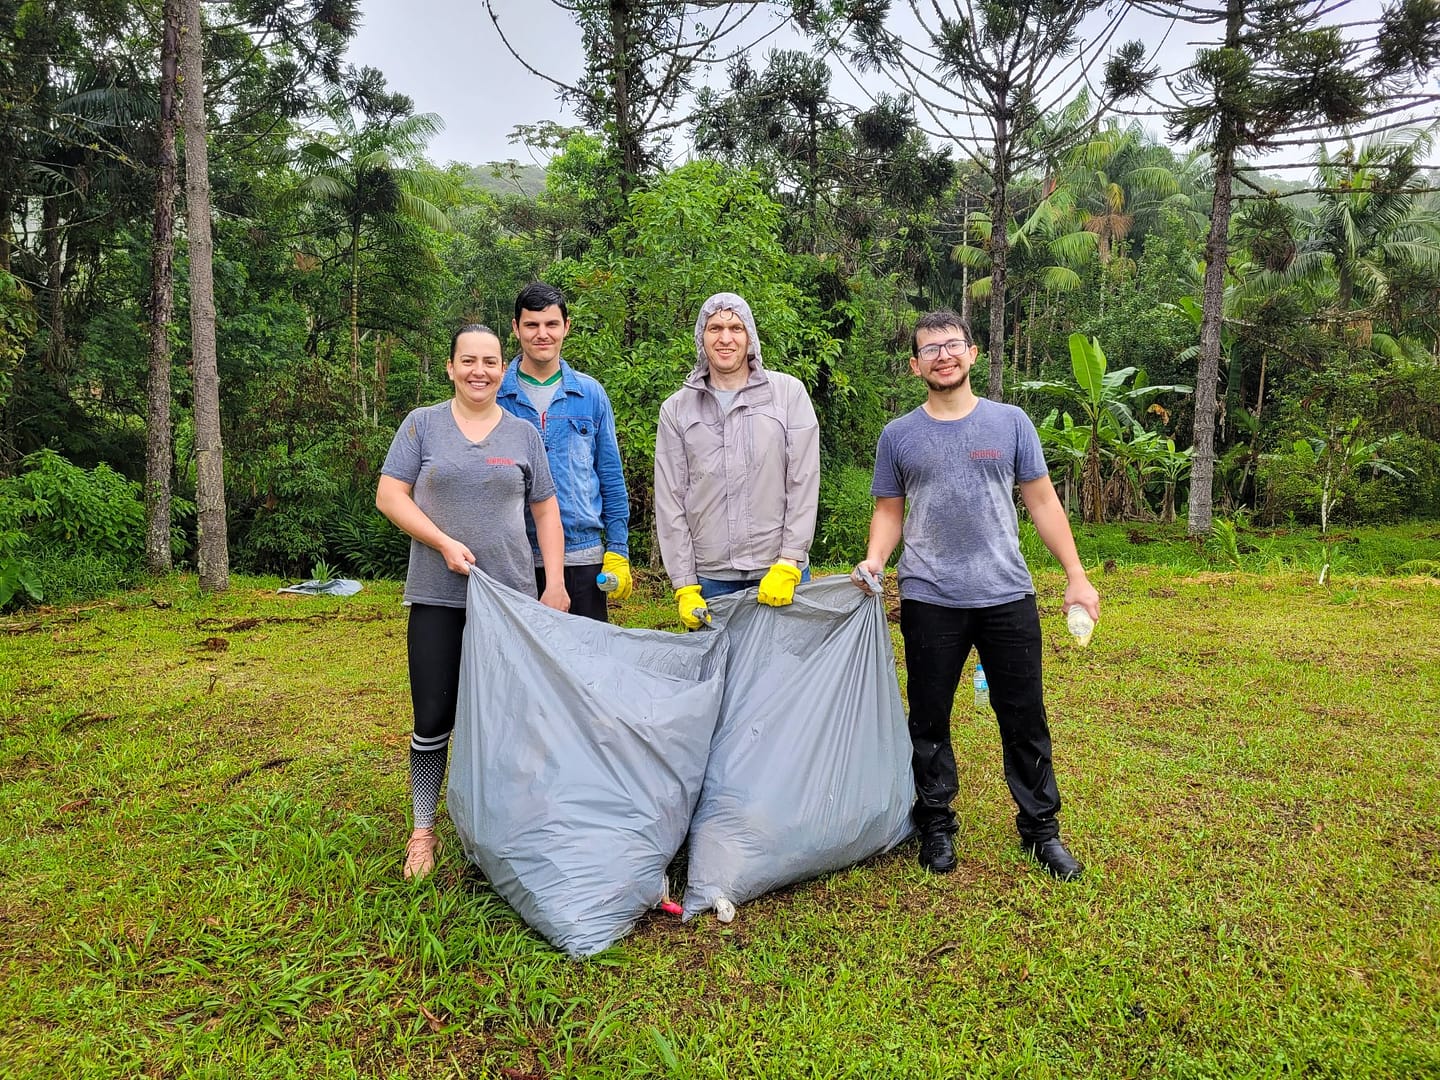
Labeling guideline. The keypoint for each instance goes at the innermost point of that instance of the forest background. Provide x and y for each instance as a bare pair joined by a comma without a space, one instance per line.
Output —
1197,338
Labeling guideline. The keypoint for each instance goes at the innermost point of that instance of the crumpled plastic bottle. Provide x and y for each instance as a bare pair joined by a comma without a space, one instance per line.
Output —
1080,624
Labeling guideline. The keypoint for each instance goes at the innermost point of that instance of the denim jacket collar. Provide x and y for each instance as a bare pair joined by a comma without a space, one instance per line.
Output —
510,384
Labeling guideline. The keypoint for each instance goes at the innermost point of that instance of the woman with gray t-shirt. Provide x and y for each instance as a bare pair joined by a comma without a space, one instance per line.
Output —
457,479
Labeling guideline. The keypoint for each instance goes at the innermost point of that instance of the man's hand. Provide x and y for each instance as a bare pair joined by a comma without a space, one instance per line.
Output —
1078,590
694,613
875,569
555,595
618,567
777,587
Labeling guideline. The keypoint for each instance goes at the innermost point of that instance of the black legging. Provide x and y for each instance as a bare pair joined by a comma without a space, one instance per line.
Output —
432,638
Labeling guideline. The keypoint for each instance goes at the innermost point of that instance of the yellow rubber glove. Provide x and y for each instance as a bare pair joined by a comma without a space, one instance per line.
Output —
693,611
777,587
618,566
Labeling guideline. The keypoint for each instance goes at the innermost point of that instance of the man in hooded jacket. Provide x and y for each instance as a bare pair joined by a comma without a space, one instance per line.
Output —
737,470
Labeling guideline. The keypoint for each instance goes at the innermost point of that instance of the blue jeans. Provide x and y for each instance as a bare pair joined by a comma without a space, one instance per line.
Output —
713,587
1007,638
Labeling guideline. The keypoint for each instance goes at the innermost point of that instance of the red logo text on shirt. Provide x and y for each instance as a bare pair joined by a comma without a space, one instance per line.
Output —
984,455
499,461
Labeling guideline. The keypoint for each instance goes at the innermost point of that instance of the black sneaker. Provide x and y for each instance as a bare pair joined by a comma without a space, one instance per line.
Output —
1054,857
937,851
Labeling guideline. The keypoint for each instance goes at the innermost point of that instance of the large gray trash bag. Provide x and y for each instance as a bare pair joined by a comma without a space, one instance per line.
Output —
577,759
810,767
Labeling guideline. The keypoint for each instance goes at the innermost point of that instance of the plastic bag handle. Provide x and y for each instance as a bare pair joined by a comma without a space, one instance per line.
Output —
871,581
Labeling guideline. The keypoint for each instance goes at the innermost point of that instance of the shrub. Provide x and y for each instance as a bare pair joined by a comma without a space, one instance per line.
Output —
67,509
67,532
366,543
843,529
286,535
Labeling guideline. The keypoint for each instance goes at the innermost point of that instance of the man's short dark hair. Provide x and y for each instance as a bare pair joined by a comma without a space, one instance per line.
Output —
537,296
944,319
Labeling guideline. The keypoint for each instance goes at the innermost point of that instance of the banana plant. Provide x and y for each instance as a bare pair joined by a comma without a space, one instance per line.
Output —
1343,450
1065,445
1105,399
1156,458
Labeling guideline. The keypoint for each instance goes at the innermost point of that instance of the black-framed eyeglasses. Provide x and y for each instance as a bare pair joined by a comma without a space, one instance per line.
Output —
954,347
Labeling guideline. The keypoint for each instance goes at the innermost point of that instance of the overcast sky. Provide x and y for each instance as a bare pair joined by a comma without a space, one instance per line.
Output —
447,56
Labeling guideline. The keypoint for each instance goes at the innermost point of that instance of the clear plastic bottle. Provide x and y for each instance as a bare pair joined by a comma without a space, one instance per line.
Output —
607,582
1080,624
982,687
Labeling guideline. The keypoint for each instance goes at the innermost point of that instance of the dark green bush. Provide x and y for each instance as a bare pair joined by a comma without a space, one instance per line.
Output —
367,545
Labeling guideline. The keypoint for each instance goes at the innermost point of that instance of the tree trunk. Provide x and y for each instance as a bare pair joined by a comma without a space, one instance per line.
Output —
214,554
1207,377
158,452
7,205
964,269
622,38
55,352
999,254
356,386
1212,297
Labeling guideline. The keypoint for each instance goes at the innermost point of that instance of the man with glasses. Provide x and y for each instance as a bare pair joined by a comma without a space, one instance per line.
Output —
963,582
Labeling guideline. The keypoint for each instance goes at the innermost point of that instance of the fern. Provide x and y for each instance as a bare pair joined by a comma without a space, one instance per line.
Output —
367,544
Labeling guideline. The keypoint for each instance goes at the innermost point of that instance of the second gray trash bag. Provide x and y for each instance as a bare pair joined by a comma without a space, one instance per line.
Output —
810,766
577,759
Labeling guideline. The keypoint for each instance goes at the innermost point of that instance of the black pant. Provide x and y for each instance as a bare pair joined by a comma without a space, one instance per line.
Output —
585,596
1007,637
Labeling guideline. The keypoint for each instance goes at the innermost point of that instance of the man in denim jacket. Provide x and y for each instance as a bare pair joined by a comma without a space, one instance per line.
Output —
574,418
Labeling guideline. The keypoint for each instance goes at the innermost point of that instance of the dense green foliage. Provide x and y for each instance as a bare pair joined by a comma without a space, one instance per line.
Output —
343,258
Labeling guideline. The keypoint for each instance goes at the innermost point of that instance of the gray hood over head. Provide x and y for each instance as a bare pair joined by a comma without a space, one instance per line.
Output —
725,301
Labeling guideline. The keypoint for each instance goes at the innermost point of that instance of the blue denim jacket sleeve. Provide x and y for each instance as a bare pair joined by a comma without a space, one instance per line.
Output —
614,498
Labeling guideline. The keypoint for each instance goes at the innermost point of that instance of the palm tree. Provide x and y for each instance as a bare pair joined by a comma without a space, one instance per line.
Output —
1120,182
1046,253
372,178
1370,225
1370,221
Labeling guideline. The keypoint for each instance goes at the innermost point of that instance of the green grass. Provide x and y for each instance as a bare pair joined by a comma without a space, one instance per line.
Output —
1410,548
205,806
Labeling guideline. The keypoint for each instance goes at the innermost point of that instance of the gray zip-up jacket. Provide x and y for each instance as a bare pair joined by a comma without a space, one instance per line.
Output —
738,489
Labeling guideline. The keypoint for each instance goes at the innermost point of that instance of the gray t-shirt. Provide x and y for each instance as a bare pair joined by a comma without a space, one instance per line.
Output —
962,537
474,491
540,395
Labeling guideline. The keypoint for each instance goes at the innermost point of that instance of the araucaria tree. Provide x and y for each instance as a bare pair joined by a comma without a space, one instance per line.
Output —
991,78
1281,76
213,552
640,61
